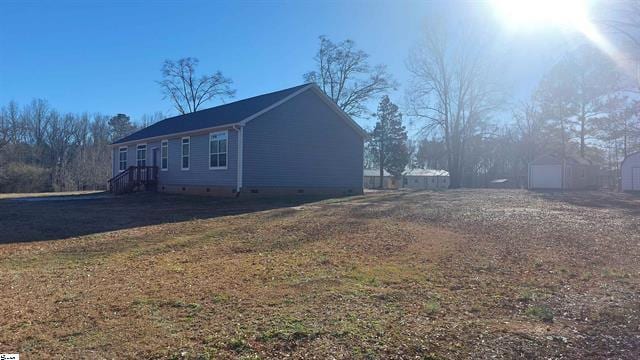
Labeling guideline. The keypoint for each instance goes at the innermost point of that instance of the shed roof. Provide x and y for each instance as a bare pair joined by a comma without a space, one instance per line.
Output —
548,159
426,172
216,116
375,172
630,156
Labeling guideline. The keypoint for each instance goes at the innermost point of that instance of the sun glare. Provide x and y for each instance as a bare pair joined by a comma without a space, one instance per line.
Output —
565,15
569,14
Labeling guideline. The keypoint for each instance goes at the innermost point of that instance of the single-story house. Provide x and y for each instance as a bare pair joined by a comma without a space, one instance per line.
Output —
426,179
556,172
372,179
630,173
292,141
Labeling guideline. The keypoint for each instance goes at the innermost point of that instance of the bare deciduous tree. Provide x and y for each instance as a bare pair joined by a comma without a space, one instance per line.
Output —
188,92
451,92
530,131
4,129
150,119
344,74
47,151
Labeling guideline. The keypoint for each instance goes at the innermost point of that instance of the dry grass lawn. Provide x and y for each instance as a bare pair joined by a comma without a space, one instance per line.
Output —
435,275
4,196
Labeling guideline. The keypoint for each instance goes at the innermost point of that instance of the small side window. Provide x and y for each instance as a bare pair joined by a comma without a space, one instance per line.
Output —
186,150
122,158
164,155
141,151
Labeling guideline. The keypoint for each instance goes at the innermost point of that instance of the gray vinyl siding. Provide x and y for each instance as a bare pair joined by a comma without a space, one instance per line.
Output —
199,172
302,143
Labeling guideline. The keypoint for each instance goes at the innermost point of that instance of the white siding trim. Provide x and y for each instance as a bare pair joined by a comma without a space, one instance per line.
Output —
240,156
179,134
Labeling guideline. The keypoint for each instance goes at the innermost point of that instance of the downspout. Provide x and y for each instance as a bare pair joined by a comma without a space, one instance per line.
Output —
240,130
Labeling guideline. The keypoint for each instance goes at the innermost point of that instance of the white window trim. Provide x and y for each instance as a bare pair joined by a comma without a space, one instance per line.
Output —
126,161
226,132
146,153
165,141
182,153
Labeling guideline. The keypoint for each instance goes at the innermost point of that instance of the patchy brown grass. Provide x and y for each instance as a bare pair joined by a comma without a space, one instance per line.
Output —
458,274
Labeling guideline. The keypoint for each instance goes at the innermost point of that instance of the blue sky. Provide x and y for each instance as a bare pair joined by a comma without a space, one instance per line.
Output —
105,56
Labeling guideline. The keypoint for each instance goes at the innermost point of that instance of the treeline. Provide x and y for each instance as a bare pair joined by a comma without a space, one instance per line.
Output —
42,149
584,106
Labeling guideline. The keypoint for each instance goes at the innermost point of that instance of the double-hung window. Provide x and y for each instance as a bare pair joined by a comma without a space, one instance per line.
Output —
164,155
141,152
186,151
122,158
218,150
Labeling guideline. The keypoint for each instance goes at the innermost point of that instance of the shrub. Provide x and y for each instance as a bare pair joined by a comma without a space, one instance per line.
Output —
17,177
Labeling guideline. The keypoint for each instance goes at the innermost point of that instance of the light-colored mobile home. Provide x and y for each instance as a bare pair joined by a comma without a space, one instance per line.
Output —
426,179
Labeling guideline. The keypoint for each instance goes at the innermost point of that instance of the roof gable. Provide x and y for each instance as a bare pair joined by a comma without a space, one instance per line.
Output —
235,113
554,159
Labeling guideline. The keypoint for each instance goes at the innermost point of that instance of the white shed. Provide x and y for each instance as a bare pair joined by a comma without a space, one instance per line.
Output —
556,172
426,179
630,173
372,179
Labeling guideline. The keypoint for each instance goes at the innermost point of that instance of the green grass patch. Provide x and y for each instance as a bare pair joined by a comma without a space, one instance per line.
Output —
238,345
432,307
288,330
541,312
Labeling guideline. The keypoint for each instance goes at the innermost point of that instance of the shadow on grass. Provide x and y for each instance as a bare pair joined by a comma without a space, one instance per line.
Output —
594,199
37,219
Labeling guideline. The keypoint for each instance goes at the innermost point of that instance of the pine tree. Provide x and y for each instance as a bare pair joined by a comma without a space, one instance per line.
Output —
121,126
389,140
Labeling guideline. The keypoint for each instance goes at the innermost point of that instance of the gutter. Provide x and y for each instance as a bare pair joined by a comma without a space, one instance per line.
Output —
178,134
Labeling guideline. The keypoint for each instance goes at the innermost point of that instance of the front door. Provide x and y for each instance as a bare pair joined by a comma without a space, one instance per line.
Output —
154,153
635,178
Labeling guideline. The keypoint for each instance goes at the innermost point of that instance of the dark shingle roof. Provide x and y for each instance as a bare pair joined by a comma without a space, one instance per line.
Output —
212,117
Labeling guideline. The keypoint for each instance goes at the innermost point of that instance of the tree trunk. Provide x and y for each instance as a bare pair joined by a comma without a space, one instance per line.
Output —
583,120
381,162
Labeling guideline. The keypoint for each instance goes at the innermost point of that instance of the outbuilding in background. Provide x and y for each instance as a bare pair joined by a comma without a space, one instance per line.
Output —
630,173
372,179
426,179
563,173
